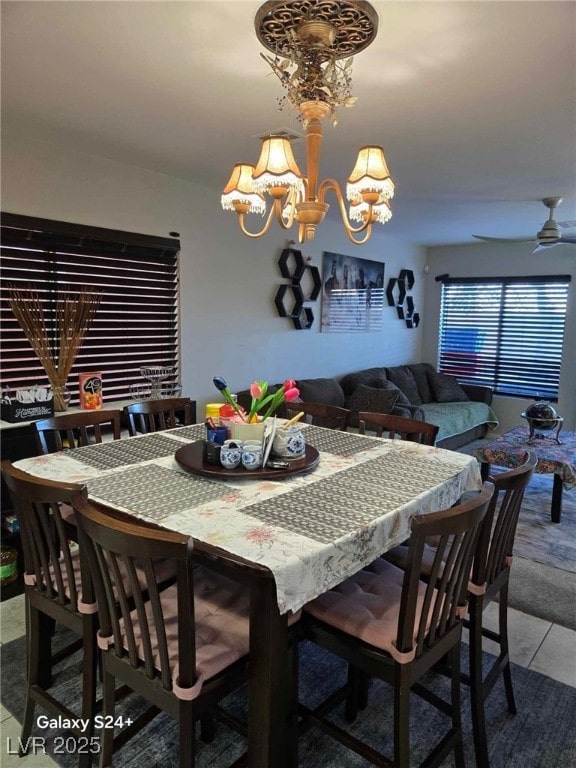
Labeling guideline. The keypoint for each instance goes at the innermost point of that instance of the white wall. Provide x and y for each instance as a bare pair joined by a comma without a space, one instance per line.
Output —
229,323
502,260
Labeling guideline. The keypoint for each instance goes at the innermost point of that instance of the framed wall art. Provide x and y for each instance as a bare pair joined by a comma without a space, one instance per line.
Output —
352,294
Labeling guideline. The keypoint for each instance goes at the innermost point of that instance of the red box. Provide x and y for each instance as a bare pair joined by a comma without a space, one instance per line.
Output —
90,390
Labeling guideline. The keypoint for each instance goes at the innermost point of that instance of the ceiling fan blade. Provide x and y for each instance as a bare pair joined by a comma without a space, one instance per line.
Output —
506,239
564,241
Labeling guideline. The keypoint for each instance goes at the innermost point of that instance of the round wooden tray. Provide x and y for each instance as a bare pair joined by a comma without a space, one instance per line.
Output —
190,457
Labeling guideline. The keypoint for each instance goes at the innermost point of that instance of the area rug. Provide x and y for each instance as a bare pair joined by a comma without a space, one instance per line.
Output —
541,735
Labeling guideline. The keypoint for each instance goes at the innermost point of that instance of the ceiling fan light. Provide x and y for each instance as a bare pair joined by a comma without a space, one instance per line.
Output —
381,212
369,175
276,169
239,191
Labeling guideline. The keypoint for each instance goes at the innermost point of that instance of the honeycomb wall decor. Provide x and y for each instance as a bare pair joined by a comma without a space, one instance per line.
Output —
304,286
397,295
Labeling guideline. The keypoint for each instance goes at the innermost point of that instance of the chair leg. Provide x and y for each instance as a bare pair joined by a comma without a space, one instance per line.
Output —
477,684
207,728
89,666
456,705
504,649
353,694
108,705
401,717
357,696
187,735
45,631
35,642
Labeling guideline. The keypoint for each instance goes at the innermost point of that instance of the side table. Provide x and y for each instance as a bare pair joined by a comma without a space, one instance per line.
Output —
559,459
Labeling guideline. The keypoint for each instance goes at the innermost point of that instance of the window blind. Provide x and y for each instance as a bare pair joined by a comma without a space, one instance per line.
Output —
506,333
137,321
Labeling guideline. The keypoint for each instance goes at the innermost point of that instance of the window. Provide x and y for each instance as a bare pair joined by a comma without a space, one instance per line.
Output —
137,320
506,333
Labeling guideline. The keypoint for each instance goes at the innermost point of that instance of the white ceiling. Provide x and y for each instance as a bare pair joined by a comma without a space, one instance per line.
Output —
474,102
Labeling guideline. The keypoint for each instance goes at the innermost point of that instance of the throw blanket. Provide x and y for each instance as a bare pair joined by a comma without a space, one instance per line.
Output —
455,418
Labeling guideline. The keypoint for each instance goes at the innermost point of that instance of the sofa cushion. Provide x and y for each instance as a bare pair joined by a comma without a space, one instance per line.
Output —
421,372
376,399
446,389
370,377
402,376
326,391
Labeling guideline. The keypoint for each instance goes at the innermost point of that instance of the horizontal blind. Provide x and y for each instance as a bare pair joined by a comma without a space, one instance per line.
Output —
506,333
137,321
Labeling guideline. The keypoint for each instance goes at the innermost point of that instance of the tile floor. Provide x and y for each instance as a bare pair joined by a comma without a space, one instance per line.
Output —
536,644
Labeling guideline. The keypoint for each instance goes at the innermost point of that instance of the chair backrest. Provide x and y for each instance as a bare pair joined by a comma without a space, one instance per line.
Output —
406,429
50,564
122,555
156,415
71,430
496,542
321,414
457,530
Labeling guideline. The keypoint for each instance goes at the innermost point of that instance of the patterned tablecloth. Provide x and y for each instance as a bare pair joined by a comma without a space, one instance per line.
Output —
506,451
312,531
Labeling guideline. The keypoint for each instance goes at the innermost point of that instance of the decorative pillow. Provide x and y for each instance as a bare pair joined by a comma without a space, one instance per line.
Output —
326,391
370,377
402,376
421,371
446,389
377,399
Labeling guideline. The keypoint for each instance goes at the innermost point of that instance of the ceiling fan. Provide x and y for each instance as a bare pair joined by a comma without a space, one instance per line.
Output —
548,236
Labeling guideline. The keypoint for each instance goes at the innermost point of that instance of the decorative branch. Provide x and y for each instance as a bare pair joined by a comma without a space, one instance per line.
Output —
75,310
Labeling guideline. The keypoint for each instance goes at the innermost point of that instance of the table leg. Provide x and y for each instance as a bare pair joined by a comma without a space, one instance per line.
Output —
272,734
557,499
485,470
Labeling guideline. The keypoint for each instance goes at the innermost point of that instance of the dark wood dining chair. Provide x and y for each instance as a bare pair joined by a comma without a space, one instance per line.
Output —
58,590
397,426
156,415
489,580
182,649
72,430
390,624
320,414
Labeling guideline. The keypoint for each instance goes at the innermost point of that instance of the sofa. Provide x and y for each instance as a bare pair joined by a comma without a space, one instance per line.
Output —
461,411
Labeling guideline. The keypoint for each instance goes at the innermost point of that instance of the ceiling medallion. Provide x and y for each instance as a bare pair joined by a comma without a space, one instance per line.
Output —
313,42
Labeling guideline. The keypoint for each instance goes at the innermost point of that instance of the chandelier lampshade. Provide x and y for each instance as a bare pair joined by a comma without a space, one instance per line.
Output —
370,179
312,44
239,194
276,170
381,212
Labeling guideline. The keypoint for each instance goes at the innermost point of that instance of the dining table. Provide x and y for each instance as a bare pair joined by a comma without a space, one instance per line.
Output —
299,533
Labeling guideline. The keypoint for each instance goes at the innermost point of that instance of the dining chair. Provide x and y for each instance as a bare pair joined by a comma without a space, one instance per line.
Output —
72,430
489,580
156,415
58,589
320,414
406,429
182,649
388,623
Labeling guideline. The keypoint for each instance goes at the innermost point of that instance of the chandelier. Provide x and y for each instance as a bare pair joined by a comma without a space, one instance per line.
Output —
313,43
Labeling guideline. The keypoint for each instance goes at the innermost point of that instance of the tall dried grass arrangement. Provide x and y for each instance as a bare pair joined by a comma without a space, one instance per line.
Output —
75,310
